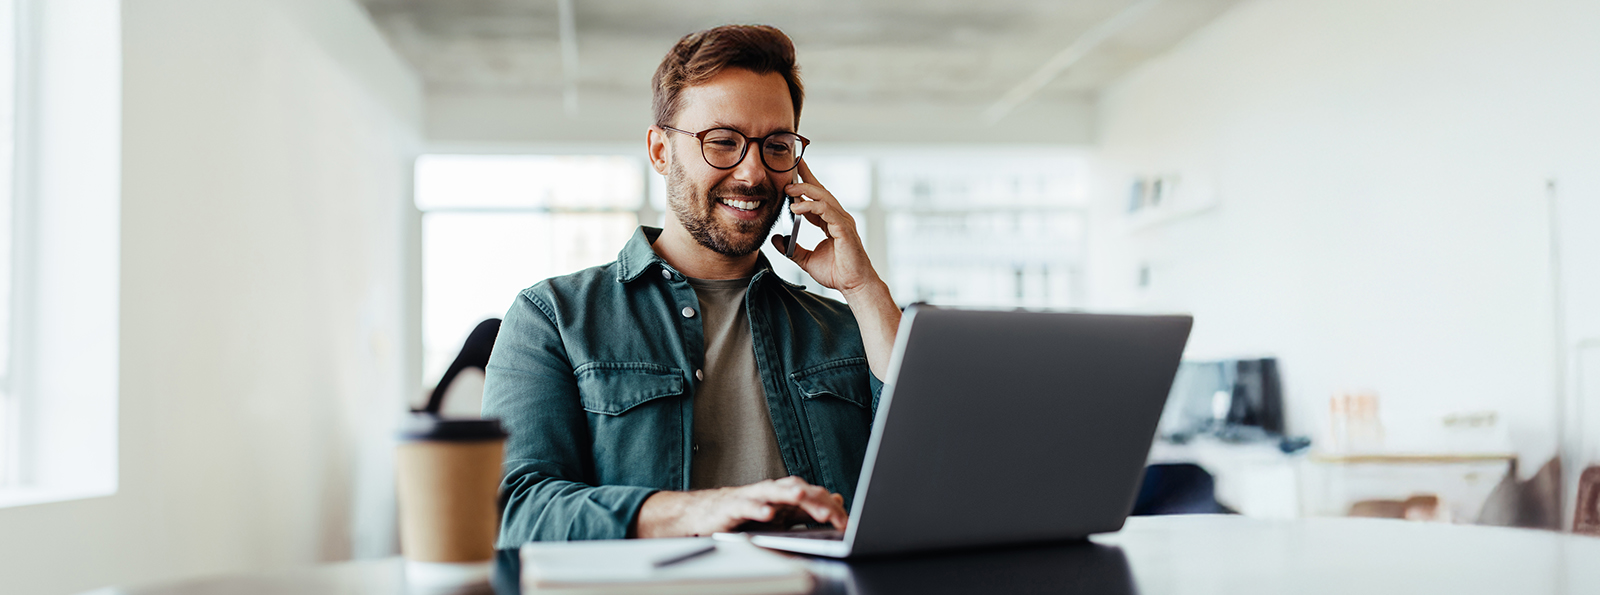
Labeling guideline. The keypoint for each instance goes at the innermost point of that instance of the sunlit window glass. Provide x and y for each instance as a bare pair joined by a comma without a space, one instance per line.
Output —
588,182
496,224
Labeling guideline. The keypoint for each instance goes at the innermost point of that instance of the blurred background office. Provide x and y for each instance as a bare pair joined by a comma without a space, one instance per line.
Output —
243,237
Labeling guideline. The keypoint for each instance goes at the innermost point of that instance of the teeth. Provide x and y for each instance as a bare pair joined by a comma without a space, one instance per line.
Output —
748,205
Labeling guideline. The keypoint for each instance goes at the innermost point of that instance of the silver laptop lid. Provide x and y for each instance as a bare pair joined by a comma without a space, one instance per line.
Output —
1012,427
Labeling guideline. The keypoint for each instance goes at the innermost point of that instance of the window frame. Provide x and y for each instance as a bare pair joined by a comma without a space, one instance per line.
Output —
14,472
66,262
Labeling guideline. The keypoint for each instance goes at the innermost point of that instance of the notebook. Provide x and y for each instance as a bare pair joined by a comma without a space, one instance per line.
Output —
622,567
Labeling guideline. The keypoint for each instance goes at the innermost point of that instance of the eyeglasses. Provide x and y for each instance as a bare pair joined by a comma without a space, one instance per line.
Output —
724,148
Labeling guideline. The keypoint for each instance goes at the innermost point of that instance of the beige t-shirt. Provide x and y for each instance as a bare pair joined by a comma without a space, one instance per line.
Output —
734,443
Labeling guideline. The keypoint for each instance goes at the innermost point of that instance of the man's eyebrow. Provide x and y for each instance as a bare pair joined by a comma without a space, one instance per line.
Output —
721,124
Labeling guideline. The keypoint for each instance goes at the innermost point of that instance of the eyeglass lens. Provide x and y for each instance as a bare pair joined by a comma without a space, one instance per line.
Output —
724,148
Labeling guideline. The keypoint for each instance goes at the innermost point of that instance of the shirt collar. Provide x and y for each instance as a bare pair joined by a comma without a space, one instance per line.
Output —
637,257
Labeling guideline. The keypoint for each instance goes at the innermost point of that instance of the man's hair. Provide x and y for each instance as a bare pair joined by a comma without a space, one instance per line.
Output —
701,55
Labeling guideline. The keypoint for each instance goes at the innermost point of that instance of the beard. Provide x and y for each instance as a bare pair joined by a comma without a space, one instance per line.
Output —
697,212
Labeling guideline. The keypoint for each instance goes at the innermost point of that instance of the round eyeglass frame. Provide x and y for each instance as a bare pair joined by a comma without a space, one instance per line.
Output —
745,150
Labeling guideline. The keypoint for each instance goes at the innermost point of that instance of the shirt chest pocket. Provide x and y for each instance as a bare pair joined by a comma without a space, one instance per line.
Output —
844,380
615,388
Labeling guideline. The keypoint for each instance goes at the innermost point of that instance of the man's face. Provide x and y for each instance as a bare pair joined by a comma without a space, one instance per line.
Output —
730,211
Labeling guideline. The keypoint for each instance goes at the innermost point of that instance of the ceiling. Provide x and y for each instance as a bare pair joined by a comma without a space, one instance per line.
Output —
959,56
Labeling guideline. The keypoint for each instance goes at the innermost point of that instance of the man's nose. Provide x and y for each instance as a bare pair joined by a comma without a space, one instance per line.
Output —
751,169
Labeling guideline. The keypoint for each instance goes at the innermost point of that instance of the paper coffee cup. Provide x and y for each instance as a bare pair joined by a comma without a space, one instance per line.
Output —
449,475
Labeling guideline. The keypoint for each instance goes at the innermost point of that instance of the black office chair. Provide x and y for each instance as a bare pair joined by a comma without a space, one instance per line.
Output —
1177,488
474,354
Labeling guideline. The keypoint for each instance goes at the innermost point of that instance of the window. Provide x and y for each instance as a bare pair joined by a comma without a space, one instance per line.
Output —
493,225
60,182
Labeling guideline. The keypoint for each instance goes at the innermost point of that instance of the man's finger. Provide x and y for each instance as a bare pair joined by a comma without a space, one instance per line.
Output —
837,517
818,213
752,509
801,254
828,508
805,173
840,519
816,503
817,220
821,505
776,492
828,208
810,191
814,192
789,490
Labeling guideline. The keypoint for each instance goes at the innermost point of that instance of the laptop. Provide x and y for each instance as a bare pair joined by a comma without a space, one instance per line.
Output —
1006,427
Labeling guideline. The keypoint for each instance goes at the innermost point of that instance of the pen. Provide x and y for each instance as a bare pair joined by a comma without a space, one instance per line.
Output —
679,557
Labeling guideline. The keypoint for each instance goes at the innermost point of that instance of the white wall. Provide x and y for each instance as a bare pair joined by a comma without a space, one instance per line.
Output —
1380,168
268,318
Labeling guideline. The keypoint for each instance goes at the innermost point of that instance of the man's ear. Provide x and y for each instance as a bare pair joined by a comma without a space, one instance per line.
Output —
656,147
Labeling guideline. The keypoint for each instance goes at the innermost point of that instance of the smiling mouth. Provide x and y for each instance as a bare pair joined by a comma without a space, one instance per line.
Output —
743,205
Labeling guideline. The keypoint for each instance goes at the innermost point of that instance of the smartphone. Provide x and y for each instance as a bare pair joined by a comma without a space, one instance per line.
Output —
794,234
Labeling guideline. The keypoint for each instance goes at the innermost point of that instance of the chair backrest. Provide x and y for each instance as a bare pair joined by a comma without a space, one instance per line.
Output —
1177,488
474,354
1586,519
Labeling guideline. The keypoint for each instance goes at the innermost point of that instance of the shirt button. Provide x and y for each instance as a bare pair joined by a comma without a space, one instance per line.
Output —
699,374
666,274
696,448
688,312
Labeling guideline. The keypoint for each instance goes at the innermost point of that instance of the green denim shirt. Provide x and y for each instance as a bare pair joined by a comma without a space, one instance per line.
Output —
593,376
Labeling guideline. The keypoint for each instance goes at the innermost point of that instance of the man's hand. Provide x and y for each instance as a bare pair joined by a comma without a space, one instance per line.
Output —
778,502
839,262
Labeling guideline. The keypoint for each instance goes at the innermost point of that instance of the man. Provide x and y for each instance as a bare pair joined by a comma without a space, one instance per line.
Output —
685,389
